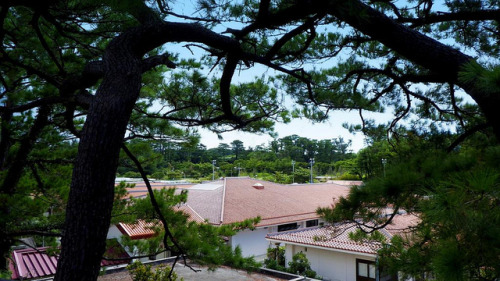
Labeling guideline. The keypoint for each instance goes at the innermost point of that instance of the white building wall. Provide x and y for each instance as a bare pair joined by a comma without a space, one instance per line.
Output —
251,242
114,232
331,265
254,243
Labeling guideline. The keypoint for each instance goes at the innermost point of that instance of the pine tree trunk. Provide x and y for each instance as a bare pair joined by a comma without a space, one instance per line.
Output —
88,213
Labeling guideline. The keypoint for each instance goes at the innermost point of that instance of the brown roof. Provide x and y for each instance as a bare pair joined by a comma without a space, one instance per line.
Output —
277,203
237,200
402,224
206,201
140,189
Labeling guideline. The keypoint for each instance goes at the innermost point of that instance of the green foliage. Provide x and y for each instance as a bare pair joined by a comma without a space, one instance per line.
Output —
282,178
456,198
300,265
5,274
275,258
332,57
361,236
202,242
347,176
174,161
142,272
302,175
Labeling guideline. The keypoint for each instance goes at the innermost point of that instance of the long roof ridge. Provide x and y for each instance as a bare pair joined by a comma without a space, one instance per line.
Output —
222,201
193,210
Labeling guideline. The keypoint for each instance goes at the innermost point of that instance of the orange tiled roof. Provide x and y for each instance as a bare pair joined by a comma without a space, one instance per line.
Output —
138,230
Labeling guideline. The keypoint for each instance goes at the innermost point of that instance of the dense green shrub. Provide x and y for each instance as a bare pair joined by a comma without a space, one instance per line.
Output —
275,258
347,176
298,265
142,272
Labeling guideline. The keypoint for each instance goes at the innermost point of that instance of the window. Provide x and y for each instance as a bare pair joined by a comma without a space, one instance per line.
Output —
311,223
288,226
365,270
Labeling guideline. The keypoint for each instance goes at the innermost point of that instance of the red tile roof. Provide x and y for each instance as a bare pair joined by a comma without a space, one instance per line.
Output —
330,237
337,236
143,230
36,263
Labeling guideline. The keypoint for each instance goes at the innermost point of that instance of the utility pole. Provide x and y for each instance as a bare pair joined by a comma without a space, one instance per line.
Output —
311,161
213,169
384,161
293,171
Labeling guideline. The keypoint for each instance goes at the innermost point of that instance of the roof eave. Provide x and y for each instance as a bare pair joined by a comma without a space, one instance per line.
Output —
322,248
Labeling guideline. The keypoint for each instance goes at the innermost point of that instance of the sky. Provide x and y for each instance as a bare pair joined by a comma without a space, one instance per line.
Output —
330,129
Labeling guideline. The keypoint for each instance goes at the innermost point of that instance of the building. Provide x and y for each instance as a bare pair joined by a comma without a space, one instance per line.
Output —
281,207
39,264
334,256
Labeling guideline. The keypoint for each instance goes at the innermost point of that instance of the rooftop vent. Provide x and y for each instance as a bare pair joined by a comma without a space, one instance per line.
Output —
258,186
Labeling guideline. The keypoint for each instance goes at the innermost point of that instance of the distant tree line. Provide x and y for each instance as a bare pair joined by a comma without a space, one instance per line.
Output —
284,160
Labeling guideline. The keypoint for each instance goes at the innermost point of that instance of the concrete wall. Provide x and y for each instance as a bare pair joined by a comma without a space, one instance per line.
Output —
253,242
331,265
114,232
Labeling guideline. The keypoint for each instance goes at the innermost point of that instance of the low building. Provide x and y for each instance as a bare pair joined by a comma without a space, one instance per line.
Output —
334,255
39,264
281,207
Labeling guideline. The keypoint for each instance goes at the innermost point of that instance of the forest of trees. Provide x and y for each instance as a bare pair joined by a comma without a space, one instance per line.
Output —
89,88
173,161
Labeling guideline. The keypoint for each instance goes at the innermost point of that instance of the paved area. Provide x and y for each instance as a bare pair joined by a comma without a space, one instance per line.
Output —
222,273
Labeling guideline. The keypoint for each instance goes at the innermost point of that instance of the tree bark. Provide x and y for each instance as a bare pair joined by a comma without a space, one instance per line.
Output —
91,197
88,212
